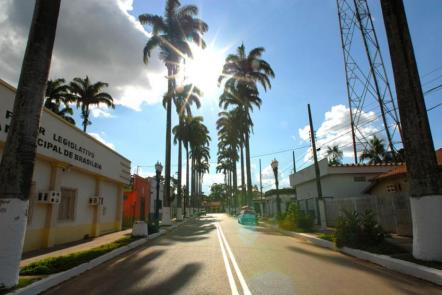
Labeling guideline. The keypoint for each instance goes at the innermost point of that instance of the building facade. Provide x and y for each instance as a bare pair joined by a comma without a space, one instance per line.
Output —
341,186
390,196
136,201
77,188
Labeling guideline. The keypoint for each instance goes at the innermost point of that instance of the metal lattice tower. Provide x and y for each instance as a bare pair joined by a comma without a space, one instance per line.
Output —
367,81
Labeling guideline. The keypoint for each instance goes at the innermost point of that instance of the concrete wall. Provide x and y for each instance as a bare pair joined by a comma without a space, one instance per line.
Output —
69,158
271,204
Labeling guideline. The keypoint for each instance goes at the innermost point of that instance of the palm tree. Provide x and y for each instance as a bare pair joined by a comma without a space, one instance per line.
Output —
423,173
334,155
184,98
57,94
376,153
199,141
17,163
230,128
88,94
243,72
172,34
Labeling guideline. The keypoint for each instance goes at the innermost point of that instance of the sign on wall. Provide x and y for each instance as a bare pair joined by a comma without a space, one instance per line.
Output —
60,140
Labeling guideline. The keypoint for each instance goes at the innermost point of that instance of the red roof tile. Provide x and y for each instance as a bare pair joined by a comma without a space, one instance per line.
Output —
403,168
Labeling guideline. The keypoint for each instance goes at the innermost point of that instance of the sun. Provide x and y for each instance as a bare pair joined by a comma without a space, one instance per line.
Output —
204,69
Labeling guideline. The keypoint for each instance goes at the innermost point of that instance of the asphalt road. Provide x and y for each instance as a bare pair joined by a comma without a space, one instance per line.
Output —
216,255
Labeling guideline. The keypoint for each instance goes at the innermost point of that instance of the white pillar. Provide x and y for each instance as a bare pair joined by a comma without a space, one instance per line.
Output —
179,214
426,213
322,213
165,218
13,220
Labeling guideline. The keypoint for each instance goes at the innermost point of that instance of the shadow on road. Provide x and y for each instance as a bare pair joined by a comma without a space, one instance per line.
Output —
173,283
405,284
194,230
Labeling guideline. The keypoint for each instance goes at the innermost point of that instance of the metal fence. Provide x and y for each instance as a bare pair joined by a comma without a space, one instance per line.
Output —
392,210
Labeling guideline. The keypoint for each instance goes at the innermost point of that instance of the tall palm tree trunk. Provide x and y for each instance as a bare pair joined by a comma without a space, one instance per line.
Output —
423,174
179,190
192,179
243,186
187,175
249,172
235,187
166,196
17,164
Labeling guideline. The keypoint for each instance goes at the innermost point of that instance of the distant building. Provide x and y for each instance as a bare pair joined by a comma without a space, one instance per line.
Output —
77,187
340,184
286,195
136,201
391,199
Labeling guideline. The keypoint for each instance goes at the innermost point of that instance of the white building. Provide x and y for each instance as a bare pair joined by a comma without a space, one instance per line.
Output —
77,188
343,182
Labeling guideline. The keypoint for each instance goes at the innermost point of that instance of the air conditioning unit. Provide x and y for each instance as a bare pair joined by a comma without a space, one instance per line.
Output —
95,201
49,197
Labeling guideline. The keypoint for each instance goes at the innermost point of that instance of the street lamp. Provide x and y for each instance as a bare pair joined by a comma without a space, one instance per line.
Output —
274,165
158,169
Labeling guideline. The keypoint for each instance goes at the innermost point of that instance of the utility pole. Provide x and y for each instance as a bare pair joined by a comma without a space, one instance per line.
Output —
423,174
294,162
294,171
320,206
260,187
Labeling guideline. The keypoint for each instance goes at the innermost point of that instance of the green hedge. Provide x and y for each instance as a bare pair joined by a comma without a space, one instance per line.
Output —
61,263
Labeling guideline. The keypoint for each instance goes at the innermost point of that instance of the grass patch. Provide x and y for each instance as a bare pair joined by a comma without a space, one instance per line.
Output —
327,236
61,263
22,282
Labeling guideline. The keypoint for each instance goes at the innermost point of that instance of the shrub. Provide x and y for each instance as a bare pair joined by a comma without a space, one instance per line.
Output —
289,219
294,219
306,222
358,230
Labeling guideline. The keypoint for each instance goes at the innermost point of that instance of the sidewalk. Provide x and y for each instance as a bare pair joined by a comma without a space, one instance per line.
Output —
69,248
73,247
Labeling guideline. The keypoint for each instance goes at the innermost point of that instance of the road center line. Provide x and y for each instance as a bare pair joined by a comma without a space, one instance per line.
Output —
232,283
242,281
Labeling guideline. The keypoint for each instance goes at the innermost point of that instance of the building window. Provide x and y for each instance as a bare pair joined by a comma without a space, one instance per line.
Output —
66,209
391,188
359,179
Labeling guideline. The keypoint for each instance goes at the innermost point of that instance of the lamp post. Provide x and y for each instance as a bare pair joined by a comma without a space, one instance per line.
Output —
158,169
274,165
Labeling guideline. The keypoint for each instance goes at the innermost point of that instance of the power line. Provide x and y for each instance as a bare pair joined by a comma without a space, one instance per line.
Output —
280,152
433,107
432,71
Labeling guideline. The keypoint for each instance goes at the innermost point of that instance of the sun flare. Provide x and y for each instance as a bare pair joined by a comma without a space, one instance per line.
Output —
204,69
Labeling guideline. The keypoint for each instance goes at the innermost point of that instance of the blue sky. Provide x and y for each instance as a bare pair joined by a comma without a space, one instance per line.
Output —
302,44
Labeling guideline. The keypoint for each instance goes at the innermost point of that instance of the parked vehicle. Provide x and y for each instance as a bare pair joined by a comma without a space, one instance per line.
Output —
247,216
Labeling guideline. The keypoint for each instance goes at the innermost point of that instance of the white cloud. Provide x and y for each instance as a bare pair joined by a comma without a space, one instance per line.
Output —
98,38
100,112
336,130
100,138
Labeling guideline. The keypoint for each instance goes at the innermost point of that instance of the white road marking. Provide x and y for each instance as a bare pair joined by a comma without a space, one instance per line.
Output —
227,265
242,281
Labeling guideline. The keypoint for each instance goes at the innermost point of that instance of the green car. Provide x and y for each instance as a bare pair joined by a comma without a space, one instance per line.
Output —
247,216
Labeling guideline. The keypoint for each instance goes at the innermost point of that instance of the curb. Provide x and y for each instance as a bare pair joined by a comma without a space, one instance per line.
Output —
405,267
58,278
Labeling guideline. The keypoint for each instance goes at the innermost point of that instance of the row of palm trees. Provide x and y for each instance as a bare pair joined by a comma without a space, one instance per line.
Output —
242,74
172,34
81,91
375,153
